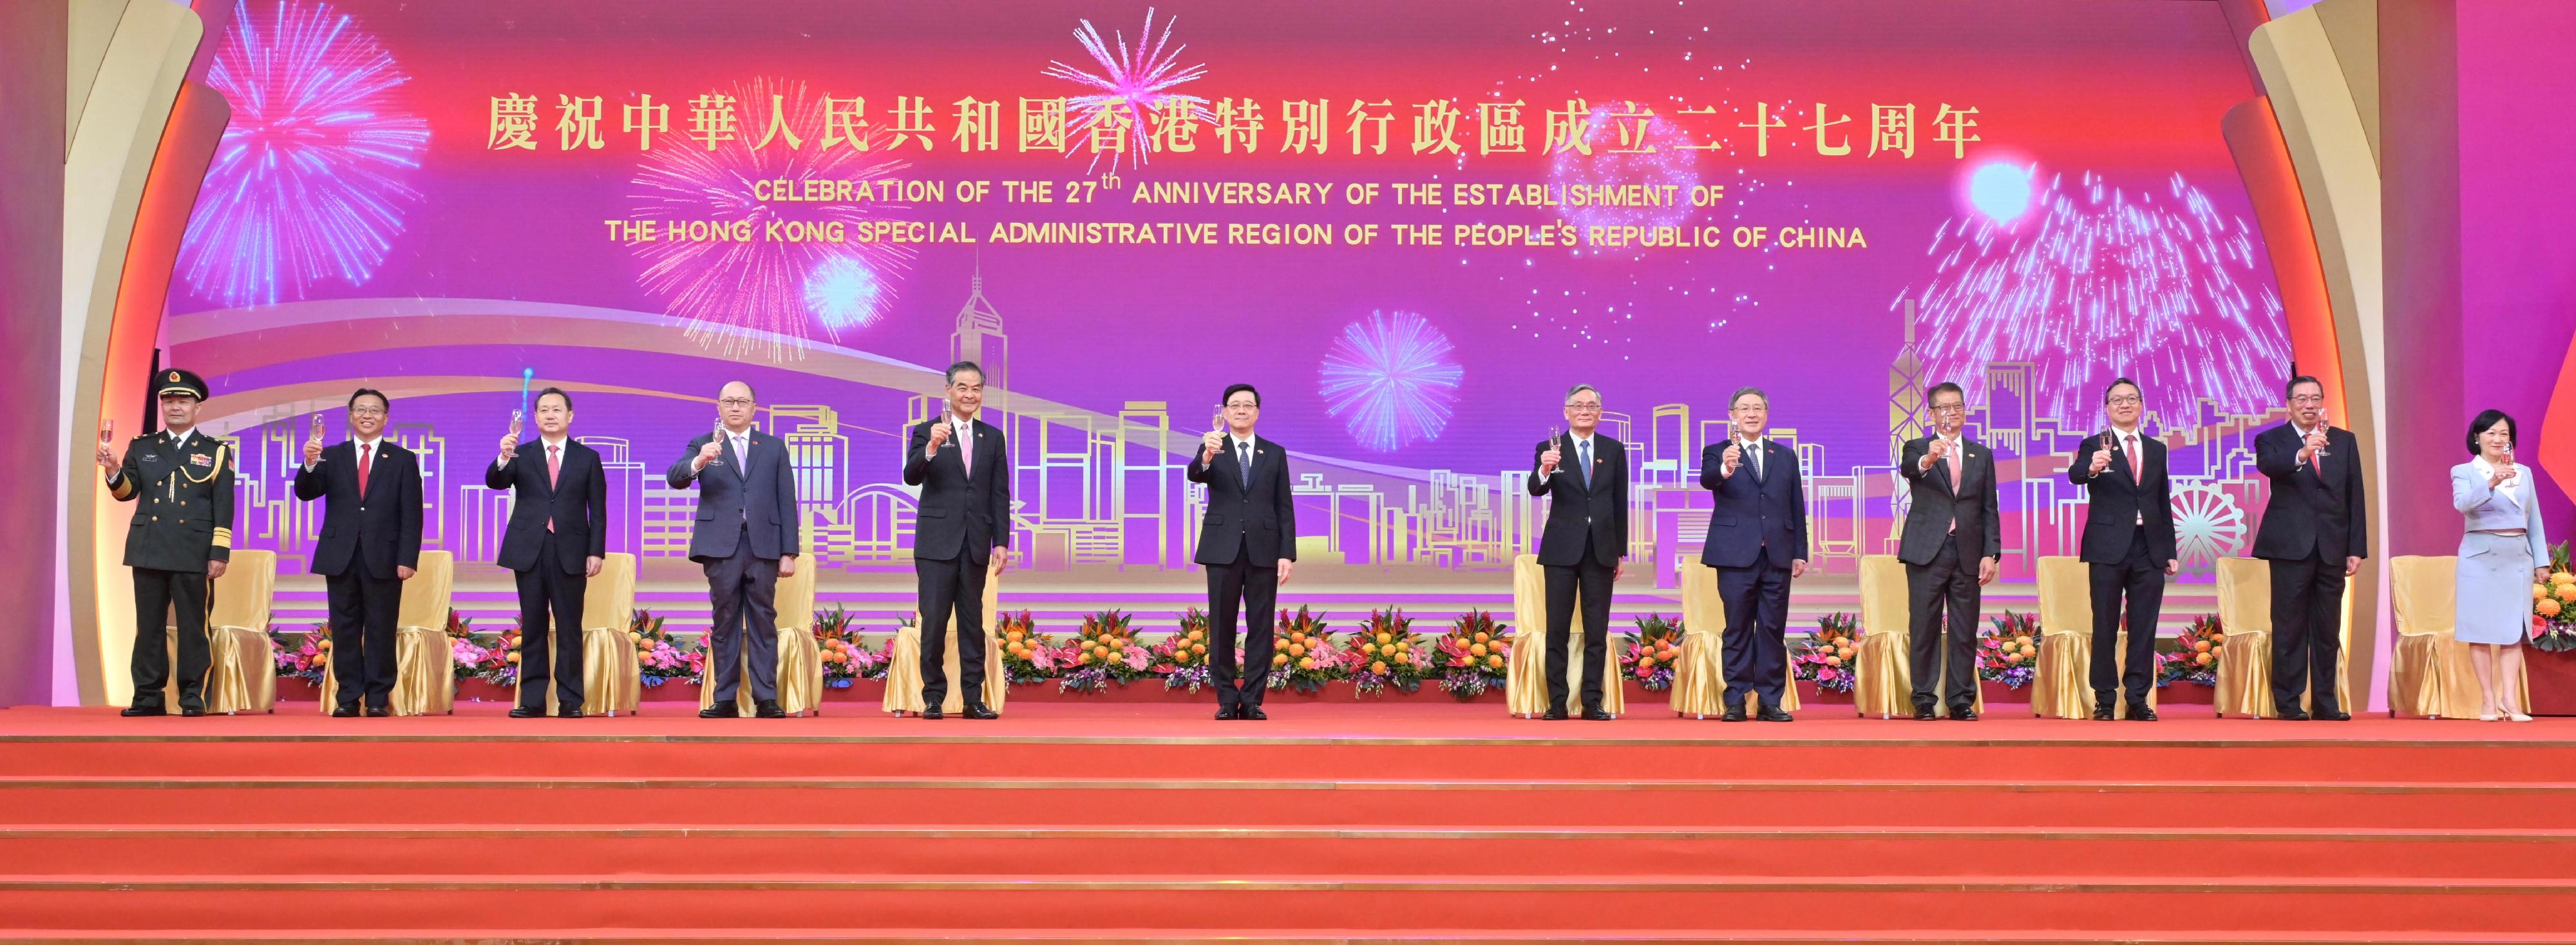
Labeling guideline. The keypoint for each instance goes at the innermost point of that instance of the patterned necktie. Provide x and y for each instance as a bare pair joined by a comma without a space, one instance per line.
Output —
1753,453
364,450
2135,473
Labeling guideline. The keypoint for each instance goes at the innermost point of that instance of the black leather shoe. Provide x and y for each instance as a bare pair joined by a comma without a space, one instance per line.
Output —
143,711
721,710
1554,714
767,709
568,714
1226,713
191,711
380,712
932,711
2337,715
523,712
345,712
1734,713
1773,713
2102,712
1253,713
977,710
1597,714
1963,715
2293,715
2141,713
1925,714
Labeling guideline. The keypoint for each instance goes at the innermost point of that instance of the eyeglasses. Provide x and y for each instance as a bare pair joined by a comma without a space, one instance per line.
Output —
1243,405
366,411
2308,399
1950,408
735,402
1584,408
2126,401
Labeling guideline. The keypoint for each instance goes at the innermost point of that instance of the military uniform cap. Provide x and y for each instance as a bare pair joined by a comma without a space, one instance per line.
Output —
175,381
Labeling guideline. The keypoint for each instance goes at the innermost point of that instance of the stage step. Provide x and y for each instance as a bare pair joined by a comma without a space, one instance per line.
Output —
1067,851
1288,802
1262,904
1223,936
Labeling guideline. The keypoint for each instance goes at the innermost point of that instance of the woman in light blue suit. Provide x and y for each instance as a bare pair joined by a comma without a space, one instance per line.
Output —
2501,554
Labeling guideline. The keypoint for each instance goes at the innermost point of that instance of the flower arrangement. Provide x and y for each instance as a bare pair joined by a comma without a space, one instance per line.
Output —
1385,654
1027,655
1826,658
1649,654
2195,655
491,657
1306,658
2553,606
1105,651
663,658
306,656
846,658
1473,656
2009,652
1182,658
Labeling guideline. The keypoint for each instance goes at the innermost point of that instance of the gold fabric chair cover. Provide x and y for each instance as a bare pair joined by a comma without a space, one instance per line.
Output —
1525,675
612,676
903,667
2433,676
424,659
2245,614
1884,685
1699,678
2063,687
241,675
800,659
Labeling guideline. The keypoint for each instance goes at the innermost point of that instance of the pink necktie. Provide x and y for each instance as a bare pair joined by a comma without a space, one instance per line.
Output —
1952,461
554,475
364,449
2135,472
966,448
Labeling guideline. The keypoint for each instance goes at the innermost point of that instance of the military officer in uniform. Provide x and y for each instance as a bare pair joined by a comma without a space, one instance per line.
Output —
181,538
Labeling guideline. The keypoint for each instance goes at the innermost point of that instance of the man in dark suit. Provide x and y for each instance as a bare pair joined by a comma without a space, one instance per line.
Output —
1585,546
180,541
2315,532
1757,541
371,518
745,540
1954,507
2129,543
964,523
557,537
1248,543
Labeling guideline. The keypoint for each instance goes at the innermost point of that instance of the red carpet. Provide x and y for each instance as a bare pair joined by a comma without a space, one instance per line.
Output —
1335,821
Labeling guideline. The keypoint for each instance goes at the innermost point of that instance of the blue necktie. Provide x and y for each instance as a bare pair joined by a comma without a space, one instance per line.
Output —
1583,455
1243,462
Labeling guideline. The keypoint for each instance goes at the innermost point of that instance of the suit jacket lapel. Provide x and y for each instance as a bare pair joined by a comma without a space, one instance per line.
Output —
734,460
169,456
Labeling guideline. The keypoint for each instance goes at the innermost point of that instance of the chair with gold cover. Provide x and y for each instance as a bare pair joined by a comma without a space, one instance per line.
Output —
2063,686
1525,676
2432,676
612,672
800,659
424,659
903,662
1699,676
241,674
1883,680
2245,617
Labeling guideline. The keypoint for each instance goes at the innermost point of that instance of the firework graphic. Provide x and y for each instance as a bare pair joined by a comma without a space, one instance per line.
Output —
312,177
1630,145
1134,88
753,283
1392,378
2094,282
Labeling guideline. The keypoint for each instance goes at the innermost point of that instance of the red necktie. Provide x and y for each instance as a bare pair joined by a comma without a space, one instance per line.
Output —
554,475
364,449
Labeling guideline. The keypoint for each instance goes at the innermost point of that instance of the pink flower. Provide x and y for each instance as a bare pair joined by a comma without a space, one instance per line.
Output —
1137,658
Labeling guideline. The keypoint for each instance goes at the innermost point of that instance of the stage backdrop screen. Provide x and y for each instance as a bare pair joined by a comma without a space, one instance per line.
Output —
1413,225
